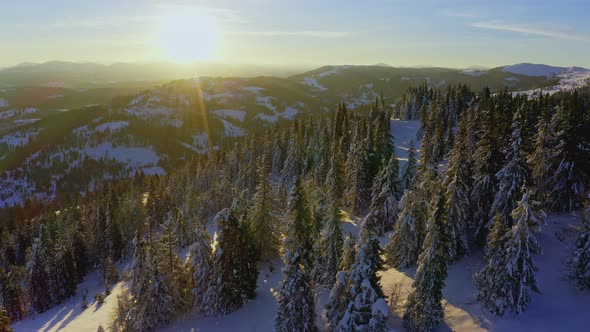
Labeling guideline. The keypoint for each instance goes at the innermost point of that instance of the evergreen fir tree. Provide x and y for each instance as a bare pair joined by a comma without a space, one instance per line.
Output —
364,294
232,271
508,275
424,309
38,272
348,253
539,160
457,180
296,309
512,176
63,272
200,263
579,263
327,260
386,193
298,224
405,242
262,217
410,169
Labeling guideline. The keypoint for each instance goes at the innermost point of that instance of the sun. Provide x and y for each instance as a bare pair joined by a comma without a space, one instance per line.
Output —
187,37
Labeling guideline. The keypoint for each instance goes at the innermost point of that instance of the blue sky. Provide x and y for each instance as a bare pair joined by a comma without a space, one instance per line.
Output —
305,32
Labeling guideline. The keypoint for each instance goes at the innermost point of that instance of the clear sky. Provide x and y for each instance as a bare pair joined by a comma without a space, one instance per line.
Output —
297,32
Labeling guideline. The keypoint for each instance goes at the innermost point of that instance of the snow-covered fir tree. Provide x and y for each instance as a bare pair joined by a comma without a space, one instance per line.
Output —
39,278
456,182
152,303
233,267
508,276
292,165
335,177
200,264
327,259
358,191
386,194
512,176
348,252
262,216
566,182
296,308
63,272
486,159
579,263
424,309
366,309
298,224
405,242
539,160
410,169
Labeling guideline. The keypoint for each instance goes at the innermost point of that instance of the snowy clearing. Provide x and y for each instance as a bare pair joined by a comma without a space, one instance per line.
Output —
3,103
234,114
112,126
312,82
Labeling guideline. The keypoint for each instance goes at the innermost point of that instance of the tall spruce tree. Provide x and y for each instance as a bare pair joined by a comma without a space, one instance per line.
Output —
405,242
508,275
327,260
232,272
262,217
579,263
512,176
456,182
38,272
200,265
386,194
296,309
410,169
424,309
366,309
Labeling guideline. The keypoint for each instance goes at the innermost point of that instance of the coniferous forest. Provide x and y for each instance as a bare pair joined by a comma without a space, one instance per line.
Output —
482,175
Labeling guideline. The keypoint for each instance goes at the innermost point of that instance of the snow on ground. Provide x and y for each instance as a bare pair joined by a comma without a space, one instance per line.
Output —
266,101
402,132
232,130
7,114
30,110
332,71
55,96
474,72
3,103
234,114
70,316
112,126
254,89
289,113
131,156
18,138
26,121
569,80
153,170
312,82
257,315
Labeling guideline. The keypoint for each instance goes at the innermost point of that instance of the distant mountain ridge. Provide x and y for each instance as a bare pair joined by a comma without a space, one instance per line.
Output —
532,69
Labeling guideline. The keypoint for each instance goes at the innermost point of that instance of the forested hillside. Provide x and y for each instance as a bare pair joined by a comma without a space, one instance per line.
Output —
477,183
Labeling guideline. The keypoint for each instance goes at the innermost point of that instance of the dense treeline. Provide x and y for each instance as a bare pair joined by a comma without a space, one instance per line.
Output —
487,166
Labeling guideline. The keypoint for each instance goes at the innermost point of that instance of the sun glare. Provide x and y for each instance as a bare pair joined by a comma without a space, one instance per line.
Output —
188,37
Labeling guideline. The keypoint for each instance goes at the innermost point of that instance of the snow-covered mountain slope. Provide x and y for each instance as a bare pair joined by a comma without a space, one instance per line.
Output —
531,69
567,80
